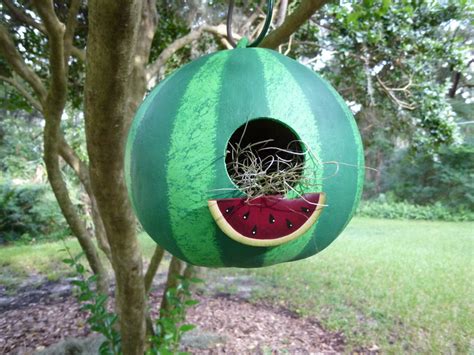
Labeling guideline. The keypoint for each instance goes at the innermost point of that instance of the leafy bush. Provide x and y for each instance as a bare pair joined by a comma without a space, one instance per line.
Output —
27,211
383,208
447,177
100,319
170,325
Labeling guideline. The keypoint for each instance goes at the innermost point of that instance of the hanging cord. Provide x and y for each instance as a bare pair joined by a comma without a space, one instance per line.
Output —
261,36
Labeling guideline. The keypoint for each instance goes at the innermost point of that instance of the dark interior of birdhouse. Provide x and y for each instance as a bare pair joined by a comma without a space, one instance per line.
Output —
265,157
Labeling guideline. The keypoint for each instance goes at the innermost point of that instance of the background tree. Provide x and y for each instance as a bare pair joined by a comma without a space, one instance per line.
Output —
396,63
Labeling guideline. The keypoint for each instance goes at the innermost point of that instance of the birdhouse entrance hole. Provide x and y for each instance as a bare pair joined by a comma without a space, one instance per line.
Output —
265,157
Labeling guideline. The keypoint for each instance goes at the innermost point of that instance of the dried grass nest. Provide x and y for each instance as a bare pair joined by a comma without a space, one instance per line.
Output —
261,168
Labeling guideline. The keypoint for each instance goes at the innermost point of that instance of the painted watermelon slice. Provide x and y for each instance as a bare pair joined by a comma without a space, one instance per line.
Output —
266,220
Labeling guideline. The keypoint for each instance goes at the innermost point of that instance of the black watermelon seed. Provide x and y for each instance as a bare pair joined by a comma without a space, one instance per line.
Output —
229,209
246,215
254,230
305,209
271,219
289,224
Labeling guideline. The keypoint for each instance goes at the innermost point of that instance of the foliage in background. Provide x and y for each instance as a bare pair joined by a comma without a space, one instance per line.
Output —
28,208
394,62
21,146
383,207
28,212
447,177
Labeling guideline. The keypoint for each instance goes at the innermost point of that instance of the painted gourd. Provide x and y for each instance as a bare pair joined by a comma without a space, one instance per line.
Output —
175,163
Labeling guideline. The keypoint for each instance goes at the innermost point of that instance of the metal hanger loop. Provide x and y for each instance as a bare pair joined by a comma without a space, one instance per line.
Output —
263,33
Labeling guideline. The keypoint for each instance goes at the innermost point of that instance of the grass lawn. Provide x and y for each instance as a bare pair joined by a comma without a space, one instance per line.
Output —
18,261
405,286
401,285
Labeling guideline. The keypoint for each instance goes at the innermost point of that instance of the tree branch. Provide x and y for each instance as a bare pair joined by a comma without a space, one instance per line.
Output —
282,13
82,171
79,53
390,92
14,58
174,272
368,76
26,19
23,91
153,267
71,27
301,14
53,108
154,68
55,30
23,16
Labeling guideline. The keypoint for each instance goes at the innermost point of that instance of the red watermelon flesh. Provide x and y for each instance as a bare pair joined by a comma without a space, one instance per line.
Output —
266,220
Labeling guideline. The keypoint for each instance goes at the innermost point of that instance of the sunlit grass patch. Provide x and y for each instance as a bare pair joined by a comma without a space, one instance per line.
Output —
18,262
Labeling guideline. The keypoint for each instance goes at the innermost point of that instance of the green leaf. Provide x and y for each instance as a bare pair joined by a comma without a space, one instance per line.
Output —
196,280
101,299
353,17
85,297
187,327
191,302
78,256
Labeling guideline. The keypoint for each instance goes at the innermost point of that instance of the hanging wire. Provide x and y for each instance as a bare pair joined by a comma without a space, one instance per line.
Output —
263,33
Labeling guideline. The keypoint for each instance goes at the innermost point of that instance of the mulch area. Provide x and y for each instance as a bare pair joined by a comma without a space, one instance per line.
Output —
32,321
256,328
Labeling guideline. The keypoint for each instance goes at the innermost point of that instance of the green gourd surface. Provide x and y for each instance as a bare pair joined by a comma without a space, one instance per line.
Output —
175,154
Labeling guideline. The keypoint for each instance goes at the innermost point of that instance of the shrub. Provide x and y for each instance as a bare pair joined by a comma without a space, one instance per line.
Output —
447,177
385,208
27,211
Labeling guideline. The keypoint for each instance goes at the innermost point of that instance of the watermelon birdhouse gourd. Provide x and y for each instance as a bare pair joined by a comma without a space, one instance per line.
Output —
244,158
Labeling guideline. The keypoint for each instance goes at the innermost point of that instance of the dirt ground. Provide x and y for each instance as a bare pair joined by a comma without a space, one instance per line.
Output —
41,314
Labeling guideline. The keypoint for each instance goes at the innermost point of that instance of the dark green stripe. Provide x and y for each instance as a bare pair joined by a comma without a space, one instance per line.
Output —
360,149
132,133
159,119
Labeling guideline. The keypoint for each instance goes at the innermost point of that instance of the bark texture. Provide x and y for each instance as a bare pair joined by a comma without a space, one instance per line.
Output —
292,22
113,34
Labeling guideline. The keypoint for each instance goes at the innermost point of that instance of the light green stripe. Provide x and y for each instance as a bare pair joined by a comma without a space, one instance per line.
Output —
193,147
282,89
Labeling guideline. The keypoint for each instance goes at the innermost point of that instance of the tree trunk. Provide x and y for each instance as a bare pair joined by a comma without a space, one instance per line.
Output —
113,29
